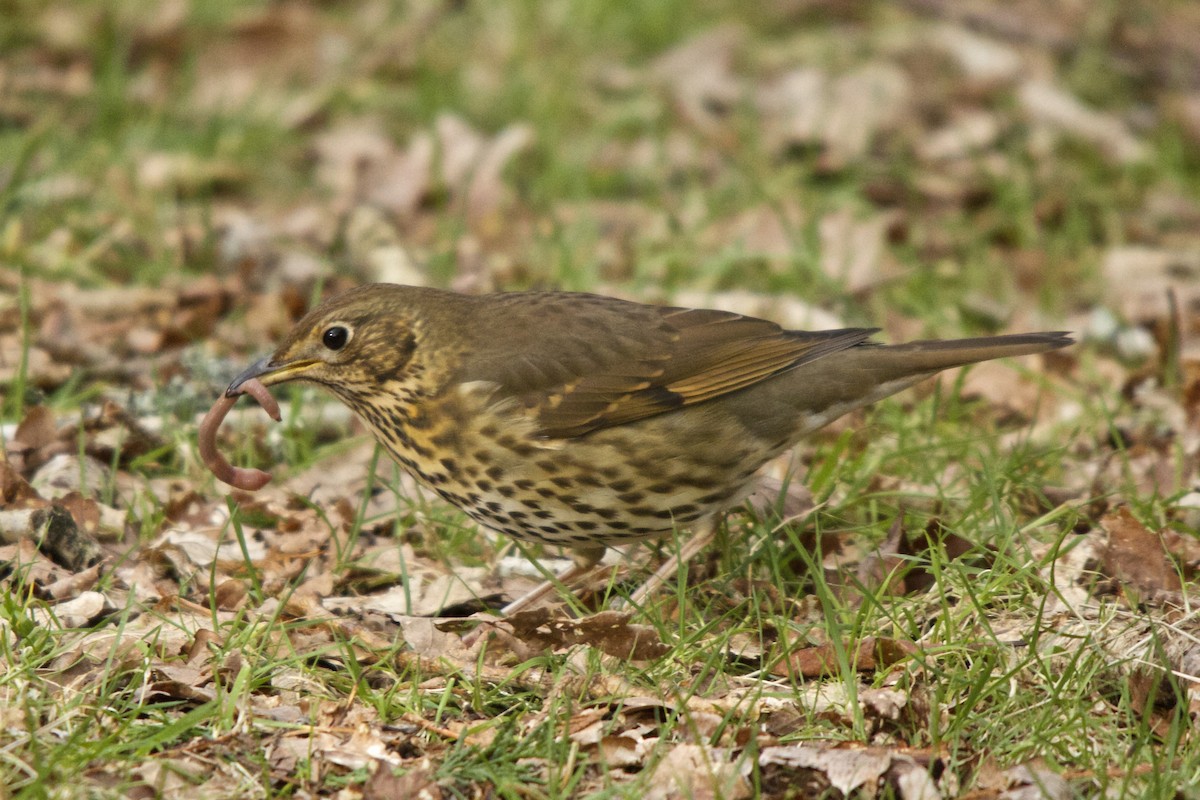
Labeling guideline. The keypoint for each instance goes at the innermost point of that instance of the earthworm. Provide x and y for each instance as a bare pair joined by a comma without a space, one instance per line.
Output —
239,477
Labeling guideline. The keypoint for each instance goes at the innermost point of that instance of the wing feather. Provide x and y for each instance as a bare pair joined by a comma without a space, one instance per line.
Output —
610,362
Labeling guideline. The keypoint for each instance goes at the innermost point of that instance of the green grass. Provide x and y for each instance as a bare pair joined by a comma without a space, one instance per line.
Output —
1002,675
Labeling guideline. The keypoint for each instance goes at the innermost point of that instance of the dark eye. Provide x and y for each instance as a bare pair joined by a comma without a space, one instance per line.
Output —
335,338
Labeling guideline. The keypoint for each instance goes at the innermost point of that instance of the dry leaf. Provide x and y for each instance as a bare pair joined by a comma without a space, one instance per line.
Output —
870,654
815,769
697,772
608,631
987,63
1139,279
37,429
965,136
700,77
841,116
78,612
1031,781
1054,107
414,783
1135,557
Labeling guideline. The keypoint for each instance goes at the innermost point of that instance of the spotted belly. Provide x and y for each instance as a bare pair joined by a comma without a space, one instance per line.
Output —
573,497
608,487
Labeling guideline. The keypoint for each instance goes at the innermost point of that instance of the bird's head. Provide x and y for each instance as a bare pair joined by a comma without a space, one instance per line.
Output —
360,342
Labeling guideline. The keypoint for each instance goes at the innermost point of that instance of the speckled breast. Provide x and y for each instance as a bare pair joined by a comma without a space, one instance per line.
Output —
607,487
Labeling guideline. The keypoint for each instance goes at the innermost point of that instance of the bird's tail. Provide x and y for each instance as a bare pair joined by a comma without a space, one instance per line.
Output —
932,356
867,372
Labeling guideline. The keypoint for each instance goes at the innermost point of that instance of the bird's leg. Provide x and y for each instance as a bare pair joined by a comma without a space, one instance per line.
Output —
585,559
702,534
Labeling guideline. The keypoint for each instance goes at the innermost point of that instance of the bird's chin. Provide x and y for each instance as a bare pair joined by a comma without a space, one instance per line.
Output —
268,373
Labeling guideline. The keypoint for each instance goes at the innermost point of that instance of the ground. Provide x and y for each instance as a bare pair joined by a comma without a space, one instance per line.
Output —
979,588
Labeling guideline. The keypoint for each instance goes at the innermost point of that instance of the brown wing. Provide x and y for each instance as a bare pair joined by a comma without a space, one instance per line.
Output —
596,362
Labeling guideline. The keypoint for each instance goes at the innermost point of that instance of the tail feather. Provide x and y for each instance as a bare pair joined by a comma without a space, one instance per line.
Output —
938,354
820,391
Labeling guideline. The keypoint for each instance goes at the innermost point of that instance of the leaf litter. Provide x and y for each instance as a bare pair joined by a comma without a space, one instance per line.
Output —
145,571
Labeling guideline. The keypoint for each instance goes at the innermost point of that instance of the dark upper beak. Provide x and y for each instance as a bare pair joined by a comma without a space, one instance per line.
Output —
270,372
264,366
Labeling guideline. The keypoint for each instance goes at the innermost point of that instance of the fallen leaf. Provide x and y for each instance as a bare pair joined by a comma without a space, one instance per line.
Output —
840,116
962,137
850,770
608,631
1134,556
37,429
415,783
870,654
1031,781
987,63
697,772
1051,105
78,612
1139,278
699,74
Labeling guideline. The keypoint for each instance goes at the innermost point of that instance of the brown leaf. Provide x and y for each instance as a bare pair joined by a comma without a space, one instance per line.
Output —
812,770
1152,696
1054,107
418,783
883,704
612,632
1138,278
486,194
84,510
853,249
177,682
699,75
78,612
15,491
1184,548
423,636
37,429
697,772
1005,387
66,473
871,654
762,231
115,433
202,646
840,115
608,631
892,568
1030,781
621,751
41,369
377,249
405,179
964,136
985,62
230,595
1135,557
72,585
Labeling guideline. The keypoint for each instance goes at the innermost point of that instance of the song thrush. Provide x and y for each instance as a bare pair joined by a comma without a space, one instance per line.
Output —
587,421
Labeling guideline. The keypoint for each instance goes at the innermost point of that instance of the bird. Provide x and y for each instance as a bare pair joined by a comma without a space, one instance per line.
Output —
586,421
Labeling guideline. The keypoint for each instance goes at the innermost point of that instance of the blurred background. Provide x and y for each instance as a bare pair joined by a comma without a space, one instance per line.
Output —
929,166
181,180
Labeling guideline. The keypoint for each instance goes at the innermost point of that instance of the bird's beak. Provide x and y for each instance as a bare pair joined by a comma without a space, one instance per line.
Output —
269,373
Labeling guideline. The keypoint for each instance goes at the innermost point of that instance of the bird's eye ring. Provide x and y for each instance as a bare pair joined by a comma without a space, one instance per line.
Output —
335,338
